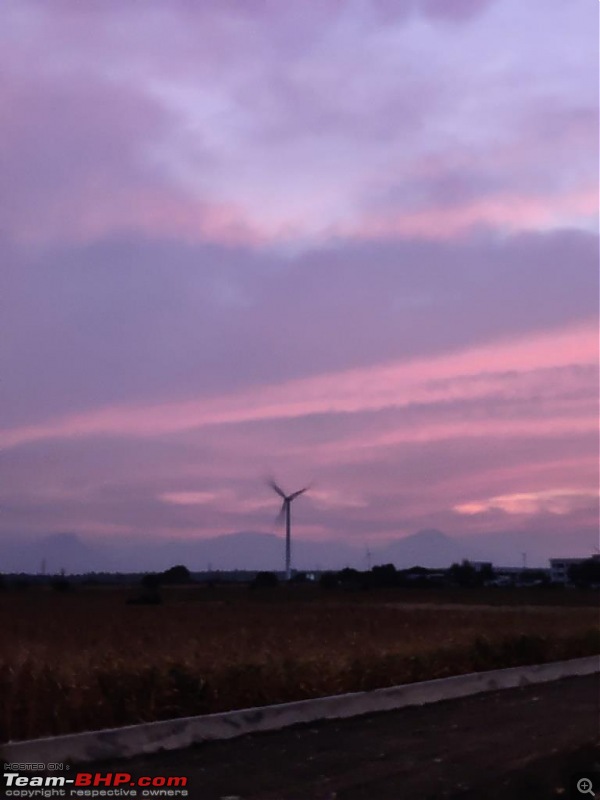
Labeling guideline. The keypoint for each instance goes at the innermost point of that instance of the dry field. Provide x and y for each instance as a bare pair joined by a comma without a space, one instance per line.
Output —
86,660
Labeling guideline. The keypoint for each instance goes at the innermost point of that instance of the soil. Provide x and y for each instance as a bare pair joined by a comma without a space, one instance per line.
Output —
519,743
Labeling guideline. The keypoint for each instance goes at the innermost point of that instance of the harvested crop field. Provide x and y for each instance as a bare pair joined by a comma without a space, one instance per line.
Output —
86,660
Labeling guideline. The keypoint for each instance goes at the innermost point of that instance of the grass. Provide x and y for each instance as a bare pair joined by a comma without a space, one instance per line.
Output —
86,660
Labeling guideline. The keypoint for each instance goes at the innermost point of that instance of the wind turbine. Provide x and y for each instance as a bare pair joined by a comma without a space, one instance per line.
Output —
286,510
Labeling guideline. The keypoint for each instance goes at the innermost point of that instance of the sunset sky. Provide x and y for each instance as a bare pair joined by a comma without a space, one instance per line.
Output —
346,243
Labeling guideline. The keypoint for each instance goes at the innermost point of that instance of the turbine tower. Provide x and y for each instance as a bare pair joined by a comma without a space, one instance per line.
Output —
286,510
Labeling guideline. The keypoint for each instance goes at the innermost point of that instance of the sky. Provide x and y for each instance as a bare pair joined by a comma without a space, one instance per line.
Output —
346,244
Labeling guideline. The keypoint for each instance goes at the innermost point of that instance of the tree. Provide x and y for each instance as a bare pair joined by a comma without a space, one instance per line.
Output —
61,584
465,575
328,580
299,577
350,578
586,573
151,582
150,594
177,574
265,580
384,575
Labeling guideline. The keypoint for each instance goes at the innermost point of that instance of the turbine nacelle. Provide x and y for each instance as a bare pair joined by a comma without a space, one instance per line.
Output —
287,498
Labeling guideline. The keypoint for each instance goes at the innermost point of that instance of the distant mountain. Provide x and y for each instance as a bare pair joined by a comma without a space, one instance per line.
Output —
427,548
255,550
245,550
510,548
242,550
53,553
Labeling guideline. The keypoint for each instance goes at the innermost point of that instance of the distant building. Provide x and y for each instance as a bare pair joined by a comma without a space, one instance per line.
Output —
523,577
559,567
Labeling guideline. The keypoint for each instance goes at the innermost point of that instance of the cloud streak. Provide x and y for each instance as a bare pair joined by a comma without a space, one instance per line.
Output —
468,375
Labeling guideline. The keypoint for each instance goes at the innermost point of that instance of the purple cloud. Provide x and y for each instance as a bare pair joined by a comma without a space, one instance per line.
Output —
351,240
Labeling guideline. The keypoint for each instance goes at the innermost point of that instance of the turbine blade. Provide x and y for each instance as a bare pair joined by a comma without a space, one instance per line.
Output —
298,493
281,514
276,488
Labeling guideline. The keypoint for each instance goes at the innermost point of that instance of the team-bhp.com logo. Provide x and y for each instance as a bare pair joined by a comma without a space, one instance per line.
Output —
94,784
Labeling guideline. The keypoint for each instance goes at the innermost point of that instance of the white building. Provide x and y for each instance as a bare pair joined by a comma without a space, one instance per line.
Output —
559,568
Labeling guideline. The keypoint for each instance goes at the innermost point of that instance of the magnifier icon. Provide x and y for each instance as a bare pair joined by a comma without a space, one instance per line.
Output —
585,786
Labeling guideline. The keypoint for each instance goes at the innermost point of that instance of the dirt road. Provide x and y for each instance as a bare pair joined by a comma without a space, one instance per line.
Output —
520,743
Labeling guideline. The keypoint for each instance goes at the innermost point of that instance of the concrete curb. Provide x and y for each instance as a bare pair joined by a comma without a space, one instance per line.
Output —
176,734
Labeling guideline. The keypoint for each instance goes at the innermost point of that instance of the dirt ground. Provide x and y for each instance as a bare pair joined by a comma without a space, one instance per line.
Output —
520,743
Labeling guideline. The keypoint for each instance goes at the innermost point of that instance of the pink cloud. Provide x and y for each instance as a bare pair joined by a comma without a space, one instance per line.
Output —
503,212
361,448
356,390
147,211
553,501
